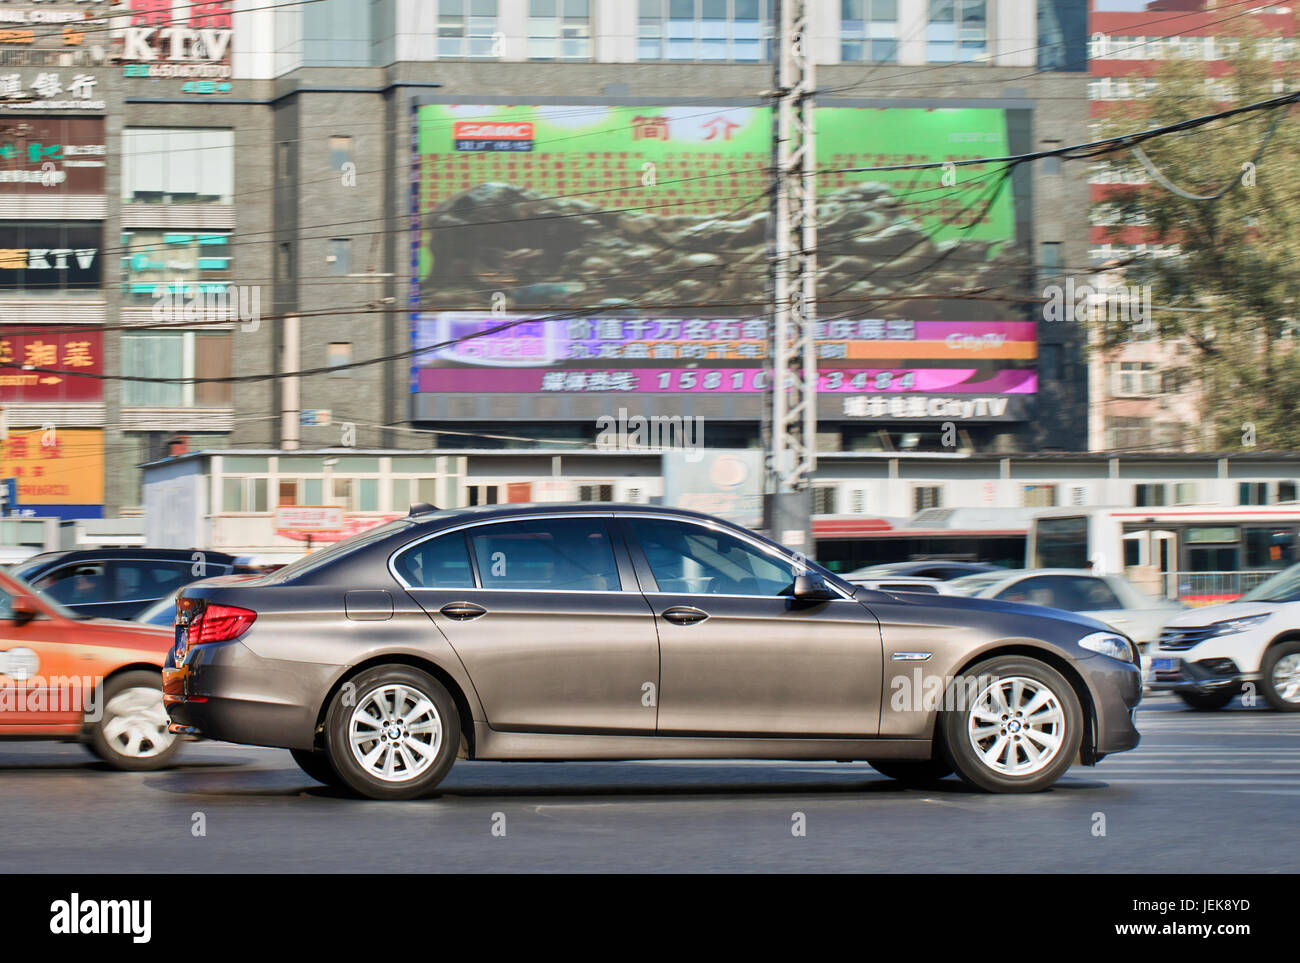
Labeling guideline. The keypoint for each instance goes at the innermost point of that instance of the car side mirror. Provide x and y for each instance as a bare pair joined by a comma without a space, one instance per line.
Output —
23,609
812,586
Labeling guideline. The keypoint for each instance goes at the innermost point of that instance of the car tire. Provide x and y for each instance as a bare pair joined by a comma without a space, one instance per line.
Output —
131,731
1280,676
913,772
317,765
409,756
1209,701
992,748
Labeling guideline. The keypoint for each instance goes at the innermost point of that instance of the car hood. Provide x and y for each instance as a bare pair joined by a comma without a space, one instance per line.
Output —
967,602
1219,613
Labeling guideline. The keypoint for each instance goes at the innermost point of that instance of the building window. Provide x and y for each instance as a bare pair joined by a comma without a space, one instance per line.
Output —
340,353
823,499
957,32
1286,491
1148,496
50,259
869,31
176,354
1137,378
559,30
926,496
1252,493
339,258
727,30
243,495
340,152
467,28
165,165
1185,493
181,262
1039,496
1063,35
594,493
283,260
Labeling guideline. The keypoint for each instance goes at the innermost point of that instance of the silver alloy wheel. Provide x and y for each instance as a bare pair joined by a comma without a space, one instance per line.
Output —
395,733
1016,726
135,723
1286,677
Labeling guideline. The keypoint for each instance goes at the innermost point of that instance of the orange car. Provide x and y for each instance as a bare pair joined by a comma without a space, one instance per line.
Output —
94,681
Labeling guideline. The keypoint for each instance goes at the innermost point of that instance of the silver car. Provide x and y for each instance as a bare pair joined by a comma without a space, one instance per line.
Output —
596,631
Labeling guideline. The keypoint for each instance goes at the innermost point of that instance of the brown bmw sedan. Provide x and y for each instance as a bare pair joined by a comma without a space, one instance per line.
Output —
595,631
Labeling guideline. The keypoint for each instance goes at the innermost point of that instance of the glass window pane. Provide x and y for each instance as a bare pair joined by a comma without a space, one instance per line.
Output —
572,554
696,560
438,563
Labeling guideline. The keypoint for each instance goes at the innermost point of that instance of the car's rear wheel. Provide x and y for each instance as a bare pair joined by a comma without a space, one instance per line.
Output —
317,765
1280,677
1209,701
913,772
131,731
392,733
1019,731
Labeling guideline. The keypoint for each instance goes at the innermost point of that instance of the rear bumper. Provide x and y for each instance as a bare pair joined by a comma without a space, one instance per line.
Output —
262,702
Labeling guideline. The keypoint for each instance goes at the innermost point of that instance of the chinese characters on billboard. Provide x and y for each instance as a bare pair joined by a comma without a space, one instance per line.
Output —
63,468
74,350
622,249
52,155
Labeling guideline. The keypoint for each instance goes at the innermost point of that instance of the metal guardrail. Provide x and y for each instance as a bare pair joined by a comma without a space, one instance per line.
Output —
1216,585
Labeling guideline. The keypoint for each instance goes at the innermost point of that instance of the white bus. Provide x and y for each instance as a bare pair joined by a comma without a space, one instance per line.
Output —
1197,556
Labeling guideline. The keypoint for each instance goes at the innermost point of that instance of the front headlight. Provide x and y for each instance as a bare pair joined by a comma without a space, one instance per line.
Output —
1243,624
1108,643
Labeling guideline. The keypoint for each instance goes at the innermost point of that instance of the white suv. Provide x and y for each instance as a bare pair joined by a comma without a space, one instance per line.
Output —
1207,654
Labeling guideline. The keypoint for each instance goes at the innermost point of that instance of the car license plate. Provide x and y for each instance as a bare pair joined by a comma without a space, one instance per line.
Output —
1164,665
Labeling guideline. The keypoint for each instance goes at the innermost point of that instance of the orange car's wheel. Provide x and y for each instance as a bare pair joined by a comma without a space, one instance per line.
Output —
131,729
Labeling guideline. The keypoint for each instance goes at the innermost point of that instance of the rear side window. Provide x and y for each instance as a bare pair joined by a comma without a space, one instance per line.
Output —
557,554
437,563
140,580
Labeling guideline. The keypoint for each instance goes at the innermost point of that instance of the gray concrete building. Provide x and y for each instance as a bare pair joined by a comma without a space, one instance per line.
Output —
267,156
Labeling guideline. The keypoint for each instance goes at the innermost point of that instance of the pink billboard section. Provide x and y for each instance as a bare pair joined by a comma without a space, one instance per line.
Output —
720,380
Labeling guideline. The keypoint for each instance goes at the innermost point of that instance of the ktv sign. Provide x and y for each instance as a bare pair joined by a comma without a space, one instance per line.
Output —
181,40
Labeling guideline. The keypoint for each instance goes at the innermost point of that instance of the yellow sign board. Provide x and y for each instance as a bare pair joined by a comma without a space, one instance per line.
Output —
55,466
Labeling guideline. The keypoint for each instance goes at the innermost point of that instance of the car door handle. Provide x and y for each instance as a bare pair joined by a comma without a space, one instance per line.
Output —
462,611
684,615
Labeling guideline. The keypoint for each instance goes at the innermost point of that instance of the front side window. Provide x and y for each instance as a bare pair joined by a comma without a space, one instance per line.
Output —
694,560
77,584
555,554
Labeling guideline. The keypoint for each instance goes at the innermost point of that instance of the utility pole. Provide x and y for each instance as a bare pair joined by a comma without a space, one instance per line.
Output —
790,420
291,363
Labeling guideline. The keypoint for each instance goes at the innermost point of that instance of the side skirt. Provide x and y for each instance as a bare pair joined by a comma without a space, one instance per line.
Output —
555,747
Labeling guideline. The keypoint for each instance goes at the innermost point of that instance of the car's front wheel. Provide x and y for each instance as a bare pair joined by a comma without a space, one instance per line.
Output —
131,730
1280,677
1017,727
392,732
913,772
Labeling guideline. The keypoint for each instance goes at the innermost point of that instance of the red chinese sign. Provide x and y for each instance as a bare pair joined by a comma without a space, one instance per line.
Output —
65,351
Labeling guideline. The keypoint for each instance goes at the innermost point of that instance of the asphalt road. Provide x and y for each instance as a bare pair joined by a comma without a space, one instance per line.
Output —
1206,792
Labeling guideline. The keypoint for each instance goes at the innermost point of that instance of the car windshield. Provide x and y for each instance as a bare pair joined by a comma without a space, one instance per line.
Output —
974,584
1282,587
162,612
23,588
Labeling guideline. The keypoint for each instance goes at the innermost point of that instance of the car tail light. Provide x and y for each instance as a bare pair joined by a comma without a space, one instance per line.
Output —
218,623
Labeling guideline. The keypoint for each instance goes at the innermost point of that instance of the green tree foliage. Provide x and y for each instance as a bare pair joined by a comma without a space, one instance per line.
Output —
1235,271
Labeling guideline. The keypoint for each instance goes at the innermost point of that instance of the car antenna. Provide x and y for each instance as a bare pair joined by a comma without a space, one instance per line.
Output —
422,508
